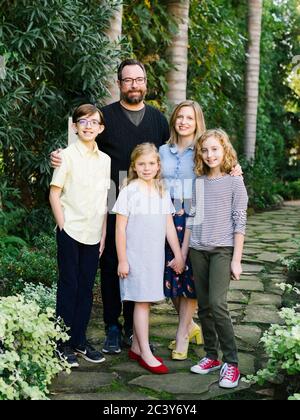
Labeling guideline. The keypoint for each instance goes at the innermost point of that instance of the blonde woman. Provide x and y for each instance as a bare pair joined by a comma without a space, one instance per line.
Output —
144,221
187,124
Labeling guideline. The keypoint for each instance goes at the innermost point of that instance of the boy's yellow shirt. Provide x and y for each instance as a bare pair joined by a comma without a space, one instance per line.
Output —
84,177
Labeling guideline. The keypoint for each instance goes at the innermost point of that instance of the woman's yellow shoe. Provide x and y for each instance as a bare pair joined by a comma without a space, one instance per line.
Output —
177,355
195,333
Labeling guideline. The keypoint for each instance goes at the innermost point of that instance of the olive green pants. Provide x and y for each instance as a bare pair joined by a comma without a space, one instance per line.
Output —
212,275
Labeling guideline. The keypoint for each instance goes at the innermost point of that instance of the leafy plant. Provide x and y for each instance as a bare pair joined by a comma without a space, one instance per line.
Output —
28,340
57,55
292,263
259,182
43,296
282,346
32,266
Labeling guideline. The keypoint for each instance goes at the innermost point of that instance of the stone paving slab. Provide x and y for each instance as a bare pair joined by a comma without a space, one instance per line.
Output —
262,315
168,332
269,256
105,396
246,363
81,382
177,383
246,285
158,319
252,268
214,392
249,334
237,296
265,299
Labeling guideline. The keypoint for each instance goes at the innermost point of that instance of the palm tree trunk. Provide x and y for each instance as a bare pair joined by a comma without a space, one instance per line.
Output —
178,52
252,76
114,33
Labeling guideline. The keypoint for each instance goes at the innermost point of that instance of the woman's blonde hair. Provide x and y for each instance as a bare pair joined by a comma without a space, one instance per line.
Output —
230,156
138,151
199,118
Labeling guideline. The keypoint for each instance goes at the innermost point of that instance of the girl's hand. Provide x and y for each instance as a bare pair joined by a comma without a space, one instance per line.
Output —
236,270
123,269
55,159
179,264
172,264
236,171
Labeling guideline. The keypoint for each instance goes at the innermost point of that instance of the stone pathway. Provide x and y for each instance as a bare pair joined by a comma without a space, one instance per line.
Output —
253,303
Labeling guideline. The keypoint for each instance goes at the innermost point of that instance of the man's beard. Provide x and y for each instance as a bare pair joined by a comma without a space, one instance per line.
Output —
133,99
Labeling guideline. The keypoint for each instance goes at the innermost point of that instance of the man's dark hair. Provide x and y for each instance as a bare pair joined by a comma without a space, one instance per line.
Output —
86,109
130,62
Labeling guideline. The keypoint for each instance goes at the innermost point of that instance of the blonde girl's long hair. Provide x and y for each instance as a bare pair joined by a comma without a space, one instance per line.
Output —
230,156
199,117
138,151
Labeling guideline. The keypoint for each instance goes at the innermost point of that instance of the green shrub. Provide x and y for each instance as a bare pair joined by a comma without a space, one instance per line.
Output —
44,297
282,346
31,266
288,190
28,339
259,178
292,263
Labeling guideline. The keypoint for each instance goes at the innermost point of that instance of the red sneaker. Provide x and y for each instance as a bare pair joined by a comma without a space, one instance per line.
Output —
160,369
206,365
229,376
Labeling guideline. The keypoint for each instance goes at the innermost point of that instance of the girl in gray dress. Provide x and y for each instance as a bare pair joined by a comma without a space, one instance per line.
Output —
144,220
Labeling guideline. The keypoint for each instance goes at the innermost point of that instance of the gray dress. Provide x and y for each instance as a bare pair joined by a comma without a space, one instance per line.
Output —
145,242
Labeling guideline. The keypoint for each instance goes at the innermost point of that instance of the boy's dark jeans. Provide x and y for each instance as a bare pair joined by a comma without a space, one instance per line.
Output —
77,265
212,275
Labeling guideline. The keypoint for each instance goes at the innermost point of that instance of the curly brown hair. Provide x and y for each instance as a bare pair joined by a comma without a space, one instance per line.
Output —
230,156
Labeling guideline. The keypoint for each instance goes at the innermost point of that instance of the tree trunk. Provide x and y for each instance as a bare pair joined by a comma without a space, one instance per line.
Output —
177,52
114,33
252,76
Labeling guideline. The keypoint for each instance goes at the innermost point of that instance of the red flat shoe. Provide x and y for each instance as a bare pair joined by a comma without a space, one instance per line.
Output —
134,356
161,369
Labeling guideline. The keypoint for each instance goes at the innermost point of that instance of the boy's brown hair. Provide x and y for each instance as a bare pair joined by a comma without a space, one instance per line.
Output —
86,110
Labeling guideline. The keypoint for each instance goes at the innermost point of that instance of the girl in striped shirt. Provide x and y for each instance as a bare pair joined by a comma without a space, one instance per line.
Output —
214,237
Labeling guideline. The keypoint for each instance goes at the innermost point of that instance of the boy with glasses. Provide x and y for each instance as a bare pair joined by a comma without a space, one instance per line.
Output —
78,197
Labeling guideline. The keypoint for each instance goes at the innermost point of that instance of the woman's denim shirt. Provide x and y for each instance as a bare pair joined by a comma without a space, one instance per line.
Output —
178,173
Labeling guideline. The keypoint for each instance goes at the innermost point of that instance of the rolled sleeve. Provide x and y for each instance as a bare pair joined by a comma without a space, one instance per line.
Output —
239,205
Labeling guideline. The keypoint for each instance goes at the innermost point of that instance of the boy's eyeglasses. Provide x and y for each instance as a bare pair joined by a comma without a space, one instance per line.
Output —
130,80
84,123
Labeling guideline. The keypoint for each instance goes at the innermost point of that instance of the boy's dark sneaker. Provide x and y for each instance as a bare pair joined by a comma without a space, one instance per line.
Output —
89,353
65,352
112,343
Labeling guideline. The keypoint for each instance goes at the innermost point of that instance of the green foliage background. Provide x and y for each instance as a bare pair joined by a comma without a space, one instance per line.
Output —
57,55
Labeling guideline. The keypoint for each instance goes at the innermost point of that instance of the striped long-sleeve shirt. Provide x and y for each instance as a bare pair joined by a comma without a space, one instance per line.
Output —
219,210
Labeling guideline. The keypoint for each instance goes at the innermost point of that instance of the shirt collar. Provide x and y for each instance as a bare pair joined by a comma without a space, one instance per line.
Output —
174,150
84,150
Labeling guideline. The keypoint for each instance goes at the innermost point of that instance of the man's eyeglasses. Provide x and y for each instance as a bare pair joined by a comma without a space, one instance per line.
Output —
130,80
84,123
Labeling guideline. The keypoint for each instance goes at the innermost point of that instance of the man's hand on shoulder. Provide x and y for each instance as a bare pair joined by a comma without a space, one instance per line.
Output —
55,158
